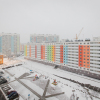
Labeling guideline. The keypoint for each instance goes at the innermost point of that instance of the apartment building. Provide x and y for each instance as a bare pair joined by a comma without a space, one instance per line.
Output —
46,38
82,55
9,44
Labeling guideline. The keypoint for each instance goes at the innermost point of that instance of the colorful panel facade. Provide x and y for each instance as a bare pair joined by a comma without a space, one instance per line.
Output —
30,50
26,50
84,56
43,52
53,53
35,51
65,54
61,53
72,54
1,59
80,55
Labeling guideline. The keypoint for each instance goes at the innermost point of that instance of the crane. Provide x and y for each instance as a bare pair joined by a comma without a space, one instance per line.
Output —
78,34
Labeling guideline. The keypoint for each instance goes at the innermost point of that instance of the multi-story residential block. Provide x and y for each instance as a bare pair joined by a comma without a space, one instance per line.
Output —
40,38
81,55
9,44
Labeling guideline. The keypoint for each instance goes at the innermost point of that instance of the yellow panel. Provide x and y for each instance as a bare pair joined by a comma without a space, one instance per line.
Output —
26,50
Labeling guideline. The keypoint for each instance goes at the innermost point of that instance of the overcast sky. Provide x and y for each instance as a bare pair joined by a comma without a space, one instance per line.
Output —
62,17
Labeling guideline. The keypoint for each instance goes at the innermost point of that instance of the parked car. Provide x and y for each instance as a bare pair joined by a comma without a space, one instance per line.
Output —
1,72
15,95
2,81
10,92
1,77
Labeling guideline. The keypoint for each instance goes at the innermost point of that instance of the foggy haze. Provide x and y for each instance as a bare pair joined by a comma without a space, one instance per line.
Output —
62,17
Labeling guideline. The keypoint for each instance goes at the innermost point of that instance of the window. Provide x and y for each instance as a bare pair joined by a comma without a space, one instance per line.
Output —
87,49
84,52
84,55
84,49
88,59
87,52
87,62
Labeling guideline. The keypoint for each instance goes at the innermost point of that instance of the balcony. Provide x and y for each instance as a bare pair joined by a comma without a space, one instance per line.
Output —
95,48
94,51
94,65
94,58
95,55
94,44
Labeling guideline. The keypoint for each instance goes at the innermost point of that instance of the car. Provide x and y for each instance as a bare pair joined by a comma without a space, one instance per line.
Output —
11,94
1,72
2,81
15,95
1,77
56,66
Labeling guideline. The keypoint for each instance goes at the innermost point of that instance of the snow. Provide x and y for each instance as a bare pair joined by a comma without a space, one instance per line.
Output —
46,70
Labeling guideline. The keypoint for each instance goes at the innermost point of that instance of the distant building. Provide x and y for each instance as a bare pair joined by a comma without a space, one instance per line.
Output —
64,40
46,38
96,38
9,44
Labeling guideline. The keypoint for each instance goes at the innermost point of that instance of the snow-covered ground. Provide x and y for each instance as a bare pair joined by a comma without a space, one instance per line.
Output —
48,71
8,62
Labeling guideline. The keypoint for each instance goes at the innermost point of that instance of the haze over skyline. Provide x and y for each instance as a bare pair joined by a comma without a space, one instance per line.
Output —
62,17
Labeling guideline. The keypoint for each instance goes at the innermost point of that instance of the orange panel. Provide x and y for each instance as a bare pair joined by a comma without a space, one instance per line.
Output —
35,51
80,56
30,50
1,59
84,56
61,53
42,52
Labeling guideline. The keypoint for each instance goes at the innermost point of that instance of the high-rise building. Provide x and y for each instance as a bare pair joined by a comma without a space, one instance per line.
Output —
82,55
9,44
46,38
